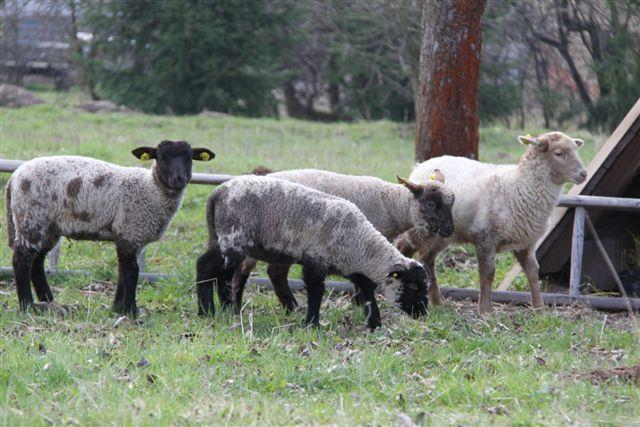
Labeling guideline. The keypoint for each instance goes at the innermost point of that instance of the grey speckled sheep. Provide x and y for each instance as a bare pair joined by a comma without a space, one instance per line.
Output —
391,208
282,222
500,207
88,199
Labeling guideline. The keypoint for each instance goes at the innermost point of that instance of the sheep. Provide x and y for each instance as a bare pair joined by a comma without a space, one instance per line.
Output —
283,222
391,208
88,199
500,208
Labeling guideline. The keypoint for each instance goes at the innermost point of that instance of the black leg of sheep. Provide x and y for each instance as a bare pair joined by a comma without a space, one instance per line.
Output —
366,291
314,282
125,299
39,278
22,262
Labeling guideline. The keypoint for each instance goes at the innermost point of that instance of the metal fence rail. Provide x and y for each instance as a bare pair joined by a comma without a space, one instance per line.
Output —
580,203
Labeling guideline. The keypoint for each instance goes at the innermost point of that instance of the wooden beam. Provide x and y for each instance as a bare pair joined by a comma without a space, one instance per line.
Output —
577,245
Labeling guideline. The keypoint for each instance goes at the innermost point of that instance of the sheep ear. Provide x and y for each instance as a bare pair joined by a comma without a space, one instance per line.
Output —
529,140
397,271
578,142
415,189
145,153
203,154
437,175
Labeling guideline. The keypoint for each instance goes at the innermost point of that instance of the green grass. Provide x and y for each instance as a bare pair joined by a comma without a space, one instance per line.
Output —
265,367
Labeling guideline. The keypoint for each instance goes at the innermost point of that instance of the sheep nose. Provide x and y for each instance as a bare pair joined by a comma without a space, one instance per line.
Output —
179,181
583,174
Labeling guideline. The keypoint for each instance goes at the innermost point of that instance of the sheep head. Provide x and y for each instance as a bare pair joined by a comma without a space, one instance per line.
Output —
560,153
431,204
173,162
406,287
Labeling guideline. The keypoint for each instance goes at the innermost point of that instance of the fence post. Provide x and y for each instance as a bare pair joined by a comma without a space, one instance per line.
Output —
577,246
53,256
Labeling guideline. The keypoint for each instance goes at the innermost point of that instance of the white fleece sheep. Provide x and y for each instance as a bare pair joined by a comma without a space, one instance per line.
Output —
500,207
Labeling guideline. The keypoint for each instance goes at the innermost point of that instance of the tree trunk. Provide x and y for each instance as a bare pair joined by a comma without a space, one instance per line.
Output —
447,115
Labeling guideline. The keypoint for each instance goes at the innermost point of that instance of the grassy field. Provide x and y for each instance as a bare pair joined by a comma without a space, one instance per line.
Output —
170,367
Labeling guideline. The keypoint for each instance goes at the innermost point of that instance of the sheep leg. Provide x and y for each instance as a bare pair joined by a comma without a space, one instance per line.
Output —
487,268
239,281
128,270
357,298
278,275
529,263
428,254
367,291
22,264
224,285
208,272
38,275
314,282
39,278
405,245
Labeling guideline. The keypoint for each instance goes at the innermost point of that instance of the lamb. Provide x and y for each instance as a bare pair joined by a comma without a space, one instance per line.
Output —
283,222
391,208
500,208
88,199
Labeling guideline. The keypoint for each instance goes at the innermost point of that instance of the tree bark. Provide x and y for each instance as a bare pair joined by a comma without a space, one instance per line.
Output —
447,115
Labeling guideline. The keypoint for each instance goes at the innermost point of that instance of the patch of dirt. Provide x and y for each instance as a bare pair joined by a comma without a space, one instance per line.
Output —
101,107
17,97
621,373
100,288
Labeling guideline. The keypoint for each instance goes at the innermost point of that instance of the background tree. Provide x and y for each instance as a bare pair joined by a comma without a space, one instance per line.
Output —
447,115
186,56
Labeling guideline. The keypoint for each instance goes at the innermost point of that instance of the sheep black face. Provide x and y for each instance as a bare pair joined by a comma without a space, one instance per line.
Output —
173,161
433,210
406,287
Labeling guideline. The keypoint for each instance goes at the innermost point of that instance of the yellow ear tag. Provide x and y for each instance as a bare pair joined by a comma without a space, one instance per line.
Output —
432,177
144,156
205,156
394,275
528,135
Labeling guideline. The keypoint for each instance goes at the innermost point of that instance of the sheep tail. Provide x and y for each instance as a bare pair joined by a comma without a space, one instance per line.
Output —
11,227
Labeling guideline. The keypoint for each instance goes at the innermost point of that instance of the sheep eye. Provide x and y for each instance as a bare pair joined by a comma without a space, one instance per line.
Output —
431,205
559,153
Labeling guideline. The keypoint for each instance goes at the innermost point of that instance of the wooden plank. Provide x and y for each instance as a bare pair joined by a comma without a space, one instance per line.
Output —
577,245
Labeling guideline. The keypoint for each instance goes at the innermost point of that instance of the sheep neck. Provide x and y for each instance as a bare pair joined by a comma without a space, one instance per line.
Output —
398,207
530,197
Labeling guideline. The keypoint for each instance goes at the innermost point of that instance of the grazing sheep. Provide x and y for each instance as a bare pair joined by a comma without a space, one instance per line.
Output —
391,208
500,208
282,222
88,199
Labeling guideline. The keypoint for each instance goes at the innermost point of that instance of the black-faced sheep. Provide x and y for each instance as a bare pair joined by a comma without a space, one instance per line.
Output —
500,208
88,199
282,222
391,208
